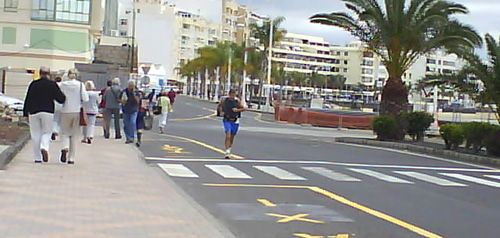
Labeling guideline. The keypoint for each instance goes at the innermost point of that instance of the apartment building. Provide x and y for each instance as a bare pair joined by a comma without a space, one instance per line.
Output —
167,36
54,33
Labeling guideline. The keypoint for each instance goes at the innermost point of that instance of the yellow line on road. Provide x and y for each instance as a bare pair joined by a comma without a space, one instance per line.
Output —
194,118
266,202
296,217
213,148
343,200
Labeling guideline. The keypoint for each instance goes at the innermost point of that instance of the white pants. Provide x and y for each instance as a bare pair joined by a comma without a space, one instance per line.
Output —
163,119
88,131
40,130
70,128
56,125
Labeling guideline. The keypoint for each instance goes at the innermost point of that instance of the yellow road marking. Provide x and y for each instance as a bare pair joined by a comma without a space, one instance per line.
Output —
345,201
174,149
213,148
375,213
341,236
304,235
195,118
266,202
296,217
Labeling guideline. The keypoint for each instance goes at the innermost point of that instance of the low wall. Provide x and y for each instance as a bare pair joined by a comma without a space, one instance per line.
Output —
326,119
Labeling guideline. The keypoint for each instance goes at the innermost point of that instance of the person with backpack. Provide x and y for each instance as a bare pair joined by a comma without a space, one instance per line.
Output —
130,99
230,108
112,108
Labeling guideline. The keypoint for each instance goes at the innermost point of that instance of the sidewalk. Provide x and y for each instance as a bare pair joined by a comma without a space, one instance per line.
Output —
109,192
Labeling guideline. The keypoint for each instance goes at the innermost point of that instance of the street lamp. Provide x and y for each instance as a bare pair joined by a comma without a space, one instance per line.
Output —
132,61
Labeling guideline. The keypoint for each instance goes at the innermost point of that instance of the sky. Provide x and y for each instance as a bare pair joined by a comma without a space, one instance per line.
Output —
483,15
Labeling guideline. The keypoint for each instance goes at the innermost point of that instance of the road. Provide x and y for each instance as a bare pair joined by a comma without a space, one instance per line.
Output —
294,181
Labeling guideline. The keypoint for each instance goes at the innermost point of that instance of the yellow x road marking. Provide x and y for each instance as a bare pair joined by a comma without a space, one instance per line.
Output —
173,149
297,217
304,235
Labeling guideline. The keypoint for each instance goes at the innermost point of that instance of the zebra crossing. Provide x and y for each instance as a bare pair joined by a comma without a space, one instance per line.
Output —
447,179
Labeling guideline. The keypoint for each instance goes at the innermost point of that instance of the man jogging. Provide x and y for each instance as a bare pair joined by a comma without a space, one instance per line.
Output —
230,109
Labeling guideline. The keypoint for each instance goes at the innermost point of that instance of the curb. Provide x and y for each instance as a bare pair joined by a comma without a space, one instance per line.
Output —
449,154
9,154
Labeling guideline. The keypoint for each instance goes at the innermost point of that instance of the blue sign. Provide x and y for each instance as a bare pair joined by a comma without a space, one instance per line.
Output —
161,82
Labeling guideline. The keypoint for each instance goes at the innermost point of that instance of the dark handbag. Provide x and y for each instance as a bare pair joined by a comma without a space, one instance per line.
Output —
157,110
83,116
148,122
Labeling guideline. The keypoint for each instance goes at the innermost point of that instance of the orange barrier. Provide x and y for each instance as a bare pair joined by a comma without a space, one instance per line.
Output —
304,116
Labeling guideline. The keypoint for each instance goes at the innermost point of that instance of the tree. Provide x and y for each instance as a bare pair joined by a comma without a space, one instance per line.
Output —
476,70
262,33
336,81
400,33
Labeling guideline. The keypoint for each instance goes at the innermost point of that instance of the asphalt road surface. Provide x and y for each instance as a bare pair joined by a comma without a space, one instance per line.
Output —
293,181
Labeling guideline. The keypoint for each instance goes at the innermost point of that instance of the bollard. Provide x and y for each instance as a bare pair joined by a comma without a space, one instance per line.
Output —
340,123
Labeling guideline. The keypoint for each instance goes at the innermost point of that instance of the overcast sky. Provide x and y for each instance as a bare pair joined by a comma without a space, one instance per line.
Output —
484,14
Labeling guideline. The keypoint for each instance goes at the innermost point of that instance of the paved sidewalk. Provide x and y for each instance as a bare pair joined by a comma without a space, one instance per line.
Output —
109,192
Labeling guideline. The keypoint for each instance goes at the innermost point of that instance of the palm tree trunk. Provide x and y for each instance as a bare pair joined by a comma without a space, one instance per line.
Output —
394,97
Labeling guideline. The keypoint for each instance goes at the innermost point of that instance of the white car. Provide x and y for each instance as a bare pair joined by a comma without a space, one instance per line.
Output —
12,103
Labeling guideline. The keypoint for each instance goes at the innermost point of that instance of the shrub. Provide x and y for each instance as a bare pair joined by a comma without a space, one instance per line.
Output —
453,135
492,141
388,128
475,134
418,123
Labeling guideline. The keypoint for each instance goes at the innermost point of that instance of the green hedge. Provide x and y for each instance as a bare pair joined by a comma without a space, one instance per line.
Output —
453,135
475,134
386,127
418,123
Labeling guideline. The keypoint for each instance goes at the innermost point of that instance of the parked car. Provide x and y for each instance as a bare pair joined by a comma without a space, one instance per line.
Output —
13,103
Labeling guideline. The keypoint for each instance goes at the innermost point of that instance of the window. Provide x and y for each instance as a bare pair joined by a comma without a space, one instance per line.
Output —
431,61
368,54
346,53
366,79
123,22
449,63
367,71
71,11
367,63
123,33
345,70
346,62
185,26
10,5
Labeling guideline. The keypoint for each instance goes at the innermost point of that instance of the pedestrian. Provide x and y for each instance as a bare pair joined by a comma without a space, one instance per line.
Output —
102,104
166,107
39,108
91,108
130,100
152,98
76,95
56,125
230,109
171,95
112,109
141,114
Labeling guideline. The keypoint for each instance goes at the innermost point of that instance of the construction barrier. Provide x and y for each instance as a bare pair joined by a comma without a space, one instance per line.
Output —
325,119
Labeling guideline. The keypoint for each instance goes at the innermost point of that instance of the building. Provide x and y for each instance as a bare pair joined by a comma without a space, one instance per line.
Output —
54,33
167,37
236,22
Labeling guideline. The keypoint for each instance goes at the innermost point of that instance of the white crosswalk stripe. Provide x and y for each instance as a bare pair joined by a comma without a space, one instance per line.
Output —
228,171
331,174
493,176
430,179
178,170
473,179
381,176
279,173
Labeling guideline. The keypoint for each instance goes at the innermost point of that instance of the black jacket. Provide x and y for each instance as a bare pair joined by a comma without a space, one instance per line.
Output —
41,96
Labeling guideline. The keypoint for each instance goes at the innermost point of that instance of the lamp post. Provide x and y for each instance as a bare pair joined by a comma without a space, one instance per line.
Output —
132,53
269,62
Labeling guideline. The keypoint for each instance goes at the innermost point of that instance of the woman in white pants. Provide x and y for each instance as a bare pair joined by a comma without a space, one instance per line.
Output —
76,94
91,108
56,125
166,107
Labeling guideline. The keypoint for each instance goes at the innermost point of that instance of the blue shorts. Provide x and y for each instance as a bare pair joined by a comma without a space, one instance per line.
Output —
231,127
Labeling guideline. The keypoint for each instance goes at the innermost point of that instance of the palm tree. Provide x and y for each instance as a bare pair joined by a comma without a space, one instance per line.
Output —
465,81
399,33
262,33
